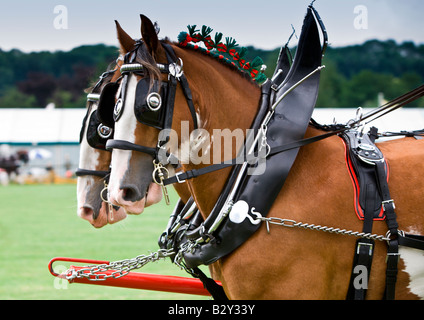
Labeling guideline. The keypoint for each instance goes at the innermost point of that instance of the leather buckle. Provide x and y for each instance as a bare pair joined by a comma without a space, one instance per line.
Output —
391,201
370,245
178,179
393,254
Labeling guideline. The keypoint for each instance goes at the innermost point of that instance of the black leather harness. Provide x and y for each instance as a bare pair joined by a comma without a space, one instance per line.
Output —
230,224
369,171
288,124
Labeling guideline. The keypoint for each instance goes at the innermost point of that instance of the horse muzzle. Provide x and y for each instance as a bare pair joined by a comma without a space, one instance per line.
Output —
105,215
130,197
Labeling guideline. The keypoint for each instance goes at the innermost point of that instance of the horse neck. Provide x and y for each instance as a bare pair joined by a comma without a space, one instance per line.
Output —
224,100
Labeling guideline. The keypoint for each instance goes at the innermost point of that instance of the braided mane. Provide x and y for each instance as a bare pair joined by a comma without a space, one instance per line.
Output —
228,52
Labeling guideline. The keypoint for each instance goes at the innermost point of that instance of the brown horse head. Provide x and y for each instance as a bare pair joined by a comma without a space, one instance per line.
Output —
94,160
318,191
92,178
131,185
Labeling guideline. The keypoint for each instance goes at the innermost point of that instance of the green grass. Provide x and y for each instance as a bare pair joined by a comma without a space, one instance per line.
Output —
39,222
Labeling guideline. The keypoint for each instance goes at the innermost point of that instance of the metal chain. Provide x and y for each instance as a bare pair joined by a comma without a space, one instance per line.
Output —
292,223
122,267
185,247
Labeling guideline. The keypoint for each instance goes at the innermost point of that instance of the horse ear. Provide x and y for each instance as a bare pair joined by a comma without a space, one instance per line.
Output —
149,35
127,43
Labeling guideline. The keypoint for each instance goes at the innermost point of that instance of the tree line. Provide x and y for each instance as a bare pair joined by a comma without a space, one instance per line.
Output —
32,80
354,75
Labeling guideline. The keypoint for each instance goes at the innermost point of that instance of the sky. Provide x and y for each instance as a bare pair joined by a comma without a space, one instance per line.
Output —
53,25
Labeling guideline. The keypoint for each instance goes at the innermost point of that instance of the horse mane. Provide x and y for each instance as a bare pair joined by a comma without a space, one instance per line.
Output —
151,68
229,52
224,62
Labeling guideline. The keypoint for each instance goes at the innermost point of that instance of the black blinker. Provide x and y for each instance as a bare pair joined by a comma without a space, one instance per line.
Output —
97,132
149,107
106,104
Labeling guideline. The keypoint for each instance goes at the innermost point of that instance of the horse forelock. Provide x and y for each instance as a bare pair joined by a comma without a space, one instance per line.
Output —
149,64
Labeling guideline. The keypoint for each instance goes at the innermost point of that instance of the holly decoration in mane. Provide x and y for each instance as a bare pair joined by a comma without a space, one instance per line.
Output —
230,52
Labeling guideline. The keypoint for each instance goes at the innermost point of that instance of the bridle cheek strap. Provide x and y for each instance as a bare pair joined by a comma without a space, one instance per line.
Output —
171,56
189,99
169,108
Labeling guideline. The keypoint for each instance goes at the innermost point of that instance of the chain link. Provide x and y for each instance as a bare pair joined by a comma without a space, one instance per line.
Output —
122,267
186,247
292,224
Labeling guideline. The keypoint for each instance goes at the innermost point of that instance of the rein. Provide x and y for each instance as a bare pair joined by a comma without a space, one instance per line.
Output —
191,174
335,130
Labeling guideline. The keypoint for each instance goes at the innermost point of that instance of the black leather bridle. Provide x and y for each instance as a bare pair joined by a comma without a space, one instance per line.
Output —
155,107
96,132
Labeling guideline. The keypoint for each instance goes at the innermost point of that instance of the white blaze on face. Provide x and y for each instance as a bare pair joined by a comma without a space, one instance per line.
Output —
124,130
89,160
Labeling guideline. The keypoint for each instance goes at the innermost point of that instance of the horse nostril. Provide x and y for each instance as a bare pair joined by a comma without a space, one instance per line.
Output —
87,213
131,193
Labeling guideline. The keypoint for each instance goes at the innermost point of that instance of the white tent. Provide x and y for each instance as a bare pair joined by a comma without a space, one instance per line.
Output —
40,126
401,119
62,126
43,131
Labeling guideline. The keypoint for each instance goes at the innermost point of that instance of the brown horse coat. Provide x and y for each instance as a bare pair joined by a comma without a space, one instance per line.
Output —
293,263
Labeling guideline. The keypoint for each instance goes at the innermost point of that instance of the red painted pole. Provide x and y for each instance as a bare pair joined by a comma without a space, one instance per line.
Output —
137,280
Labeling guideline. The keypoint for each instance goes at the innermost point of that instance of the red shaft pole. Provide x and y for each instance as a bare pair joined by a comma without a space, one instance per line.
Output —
137,280
147,281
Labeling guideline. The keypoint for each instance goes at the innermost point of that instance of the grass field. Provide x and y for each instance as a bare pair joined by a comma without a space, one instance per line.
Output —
39,222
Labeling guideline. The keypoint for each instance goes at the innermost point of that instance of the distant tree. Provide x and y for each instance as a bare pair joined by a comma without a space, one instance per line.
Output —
64,99
13,98
354,75
77,82
331,87
363,88
40,85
